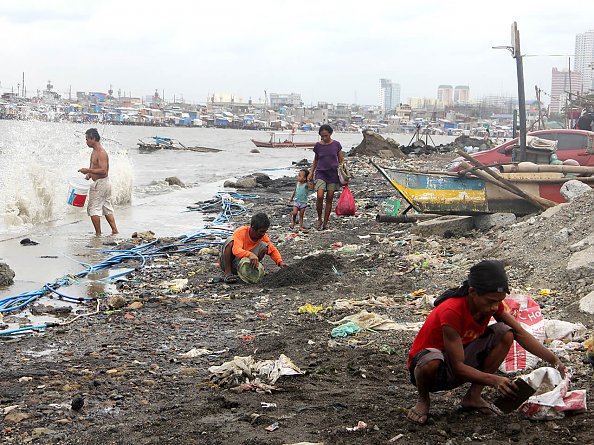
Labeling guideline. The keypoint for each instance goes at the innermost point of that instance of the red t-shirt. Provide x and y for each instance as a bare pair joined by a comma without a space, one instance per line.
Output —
455,313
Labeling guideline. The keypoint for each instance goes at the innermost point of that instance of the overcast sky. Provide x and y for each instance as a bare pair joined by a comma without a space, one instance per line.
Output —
332,51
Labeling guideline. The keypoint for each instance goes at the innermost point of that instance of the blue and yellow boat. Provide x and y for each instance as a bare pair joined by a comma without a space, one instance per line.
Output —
447,194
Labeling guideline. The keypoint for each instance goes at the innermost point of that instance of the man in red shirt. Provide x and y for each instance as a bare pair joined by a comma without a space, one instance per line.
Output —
456,344
248,242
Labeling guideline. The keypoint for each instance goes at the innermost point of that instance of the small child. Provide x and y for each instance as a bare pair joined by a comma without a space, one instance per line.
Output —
299,199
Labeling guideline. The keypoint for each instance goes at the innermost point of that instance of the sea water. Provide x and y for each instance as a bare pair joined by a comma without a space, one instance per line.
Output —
38,159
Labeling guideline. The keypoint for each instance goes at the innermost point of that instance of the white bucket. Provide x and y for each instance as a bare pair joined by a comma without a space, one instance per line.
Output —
78,191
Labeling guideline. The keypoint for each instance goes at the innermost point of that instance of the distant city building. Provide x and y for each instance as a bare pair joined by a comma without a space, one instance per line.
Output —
422,102
285,100
389,95
461,94
445,95
584,59
562,82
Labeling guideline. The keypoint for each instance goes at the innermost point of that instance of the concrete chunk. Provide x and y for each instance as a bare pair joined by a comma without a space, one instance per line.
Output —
485,222
552,210
581,264
587,303
445,226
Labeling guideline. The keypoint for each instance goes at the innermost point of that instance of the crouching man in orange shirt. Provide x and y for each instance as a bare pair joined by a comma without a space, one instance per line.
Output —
248,242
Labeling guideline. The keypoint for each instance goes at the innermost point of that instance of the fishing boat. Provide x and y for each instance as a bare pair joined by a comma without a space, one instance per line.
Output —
284,140
445,193
153,143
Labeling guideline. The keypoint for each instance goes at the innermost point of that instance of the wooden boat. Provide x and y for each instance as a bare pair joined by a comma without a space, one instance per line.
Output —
162,142
445,193
284,140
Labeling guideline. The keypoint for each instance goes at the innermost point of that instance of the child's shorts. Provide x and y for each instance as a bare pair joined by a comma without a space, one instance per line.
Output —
300,205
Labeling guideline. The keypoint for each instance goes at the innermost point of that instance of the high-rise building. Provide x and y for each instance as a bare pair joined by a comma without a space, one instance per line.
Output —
584,59
562,83
461,94
445,95
389,95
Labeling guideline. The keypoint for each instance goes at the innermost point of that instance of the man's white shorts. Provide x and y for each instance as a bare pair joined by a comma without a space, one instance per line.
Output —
100,198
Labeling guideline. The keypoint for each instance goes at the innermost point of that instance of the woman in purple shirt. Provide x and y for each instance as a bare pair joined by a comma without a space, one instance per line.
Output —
328,155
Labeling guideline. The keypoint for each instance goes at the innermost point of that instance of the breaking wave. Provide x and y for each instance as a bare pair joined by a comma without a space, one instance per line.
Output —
38,160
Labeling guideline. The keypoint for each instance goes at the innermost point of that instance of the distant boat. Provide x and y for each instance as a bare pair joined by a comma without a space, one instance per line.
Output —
153,143
284,140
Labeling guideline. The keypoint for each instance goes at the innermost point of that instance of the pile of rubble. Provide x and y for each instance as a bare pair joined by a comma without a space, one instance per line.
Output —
374,144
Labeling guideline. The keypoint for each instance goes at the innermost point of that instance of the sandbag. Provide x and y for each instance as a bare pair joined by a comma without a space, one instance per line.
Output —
527,312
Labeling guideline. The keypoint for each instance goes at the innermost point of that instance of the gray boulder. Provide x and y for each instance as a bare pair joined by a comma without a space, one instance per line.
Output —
574,188
6,275
248,182
173,180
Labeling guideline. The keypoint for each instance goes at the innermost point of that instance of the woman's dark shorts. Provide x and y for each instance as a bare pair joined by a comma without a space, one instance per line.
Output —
475,354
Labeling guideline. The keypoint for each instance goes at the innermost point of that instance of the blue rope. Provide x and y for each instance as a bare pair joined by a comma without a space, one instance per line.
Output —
229,210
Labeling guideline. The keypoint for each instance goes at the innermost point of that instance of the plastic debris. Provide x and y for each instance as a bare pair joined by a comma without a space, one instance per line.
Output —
373,321
177,285
195,352
267,405
552,404
247,370
360,426
564,330
544,292
345,330
272,427
310,309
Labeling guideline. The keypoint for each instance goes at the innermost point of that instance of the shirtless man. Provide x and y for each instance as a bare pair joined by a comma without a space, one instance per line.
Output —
100,190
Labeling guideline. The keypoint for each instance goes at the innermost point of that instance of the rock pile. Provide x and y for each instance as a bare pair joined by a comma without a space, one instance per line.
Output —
374,144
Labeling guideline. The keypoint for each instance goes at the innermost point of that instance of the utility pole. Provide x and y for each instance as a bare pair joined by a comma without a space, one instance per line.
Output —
516,53
521,95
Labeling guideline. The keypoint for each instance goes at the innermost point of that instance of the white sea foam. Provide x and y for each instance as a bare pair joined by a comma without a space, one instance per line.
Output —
37,164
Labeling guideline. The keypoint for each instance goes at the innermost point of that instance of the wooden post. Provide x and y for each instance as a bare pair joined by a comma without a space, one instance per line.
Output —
521,95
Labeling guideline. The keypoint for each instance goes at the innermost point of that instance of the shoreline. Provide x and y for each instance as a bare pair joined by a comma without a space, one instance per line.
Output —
128,365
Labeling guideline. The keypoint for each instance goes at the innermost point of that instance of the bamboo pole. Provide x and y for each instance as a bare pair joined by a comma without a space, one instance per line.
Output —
537,201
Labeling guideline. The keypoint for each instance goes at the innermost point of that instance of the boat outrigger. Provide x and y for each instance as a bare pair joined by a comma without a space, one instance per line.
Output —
153,143
284,140
447,193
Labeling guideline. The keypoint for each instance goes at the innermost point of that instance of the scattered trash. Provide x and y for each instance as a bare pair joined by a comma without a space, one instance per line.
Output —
373,321
360,426
267,405
552,404
544,292
246,370
310,309
396,438
195,352
345,330
28,242
564,330
272,427
176,285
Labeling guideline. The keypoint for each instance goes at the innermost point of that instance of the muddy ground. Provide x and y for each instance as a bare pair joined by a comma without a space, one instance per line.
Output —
125,365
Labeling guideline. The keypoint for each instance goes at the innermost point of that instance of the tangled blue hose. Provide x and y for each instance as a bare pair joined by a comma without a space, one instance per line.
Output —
230,209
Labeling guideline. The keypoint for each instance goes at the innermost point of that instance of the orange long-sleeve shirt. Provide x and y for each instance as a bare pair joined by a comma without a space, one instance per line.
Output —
243,243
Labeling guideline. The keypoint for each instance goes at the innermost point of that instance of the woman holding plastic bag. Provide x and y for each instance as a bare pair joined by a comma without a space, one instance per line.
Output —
324,170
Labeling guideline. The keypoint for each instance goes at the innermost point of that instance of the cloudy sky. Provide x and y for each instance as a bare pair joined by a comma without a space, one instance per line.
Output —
327,50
